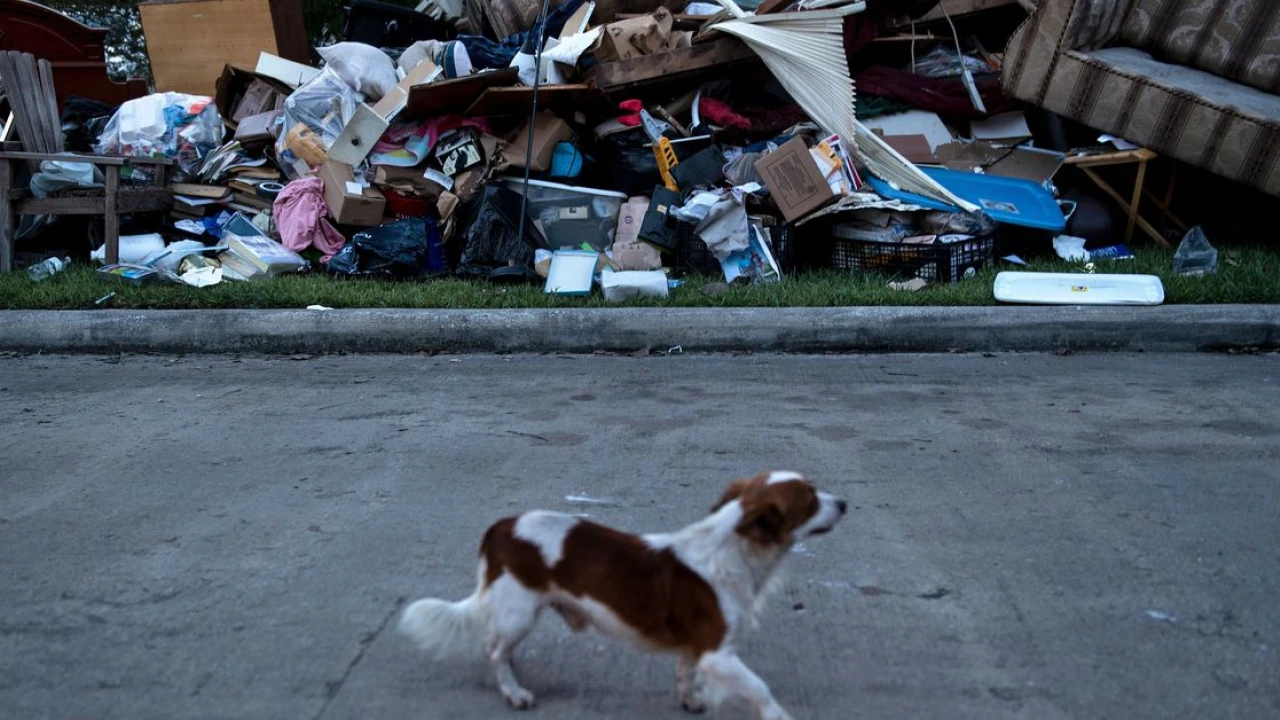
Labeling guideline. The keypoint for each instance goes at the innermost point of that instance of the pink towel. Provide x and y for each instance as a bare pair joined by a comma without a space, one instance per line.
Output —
300,217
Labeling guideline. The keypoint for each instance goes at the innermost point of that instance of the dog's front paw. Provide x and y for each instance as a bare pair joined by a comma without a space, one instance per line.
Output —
693,705
520,699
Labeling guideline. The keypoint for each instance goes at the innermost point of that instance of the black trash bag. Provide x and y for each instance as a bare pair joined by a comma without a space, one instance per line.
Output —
490,238
630,163
408,248
83,120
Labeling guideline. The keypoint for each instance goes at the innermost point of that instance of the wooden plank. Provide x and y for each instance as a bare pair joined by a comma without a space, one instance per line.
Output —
674,65
92,205
453,96
189,42
101,160
7,217
51,105
1111,158
503,101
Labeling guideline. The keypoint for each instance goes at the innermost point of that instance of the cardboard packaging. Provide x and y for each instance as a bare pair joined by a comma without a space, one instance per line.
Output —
548,131
794,180
635,37
234,92
348,207
369,122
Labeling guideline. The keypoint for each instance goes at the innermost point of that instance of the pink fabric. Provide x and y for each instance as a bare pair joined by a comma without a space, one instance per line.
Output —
301,213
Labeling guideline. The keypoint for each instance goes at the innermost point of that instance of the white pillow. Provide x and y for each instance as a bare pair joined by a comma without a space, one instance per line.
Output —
364,67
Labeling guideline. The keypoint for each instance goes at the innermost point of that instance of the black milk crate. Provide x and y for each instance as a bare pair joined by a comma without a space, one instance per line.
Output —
693,257
935,262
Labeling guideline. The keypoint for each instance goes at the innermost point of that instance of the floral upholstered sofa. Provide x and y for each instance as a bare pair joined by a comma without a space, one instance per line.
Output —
1196,80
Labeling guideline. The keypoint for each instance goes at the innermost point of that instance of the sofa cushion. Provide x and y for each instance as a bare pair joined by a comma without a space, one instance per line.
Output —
1227,128
1237,39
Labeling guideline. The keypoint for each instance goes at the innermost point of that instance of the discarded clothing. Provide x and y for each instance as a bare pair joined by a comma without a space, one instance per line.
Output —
300,213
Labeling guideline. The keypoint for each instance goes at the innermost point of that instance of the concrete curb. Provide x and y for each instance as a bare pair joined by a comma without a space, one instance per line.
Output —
1172,328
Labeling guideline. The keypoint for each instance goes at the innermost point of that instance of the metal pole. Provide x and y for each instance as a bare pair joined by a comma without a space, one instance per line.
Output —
540,29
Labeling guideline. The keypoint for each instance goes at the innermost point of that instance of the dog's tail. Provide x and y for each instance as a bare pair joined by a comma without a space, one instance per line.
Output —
446,629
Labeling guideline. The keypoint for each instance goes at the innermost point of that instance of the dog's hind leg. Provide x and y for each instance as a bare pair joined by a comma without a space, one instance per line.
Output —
688,686
513,610
730,677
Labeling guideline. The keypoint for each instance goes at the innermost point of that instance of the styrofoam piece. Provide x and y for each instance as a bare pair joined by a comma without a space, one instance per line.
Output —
1078,289
133,248
618,286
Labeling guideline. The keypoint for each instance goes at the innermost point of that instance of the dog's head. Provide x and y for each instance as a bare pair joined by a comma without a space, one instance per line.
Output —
780,507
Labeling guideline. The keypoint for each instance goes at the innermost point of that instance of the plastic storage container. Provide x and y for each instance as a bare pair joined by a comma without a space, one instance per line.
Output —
570,215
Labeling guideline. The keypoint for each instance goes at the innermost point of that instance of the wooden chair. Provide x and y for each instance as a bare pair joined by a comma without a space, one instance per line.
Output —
113,201
28,85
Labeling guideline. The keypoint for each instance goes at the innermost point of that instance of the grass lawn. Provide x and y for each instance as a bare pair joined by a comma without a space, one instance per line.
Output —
1245,275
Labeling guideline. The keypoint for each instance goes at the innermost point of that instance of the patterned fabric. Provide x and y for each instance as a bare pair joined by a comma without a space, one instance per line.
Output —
1237,39
1189,114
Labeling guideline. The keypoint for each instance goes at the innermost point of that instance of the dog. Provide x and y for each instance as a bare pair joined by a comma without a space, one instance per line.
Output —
691,593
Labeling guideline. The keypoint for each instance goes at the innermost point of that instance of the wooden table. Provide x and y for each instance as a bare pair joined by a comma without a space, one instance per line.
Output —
111,204
1087,164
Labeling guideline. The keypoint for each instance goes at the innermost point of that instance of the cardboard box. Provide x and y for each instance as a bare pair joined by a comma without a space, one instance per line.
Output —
549,130
363,209
232,87
369,122
794,180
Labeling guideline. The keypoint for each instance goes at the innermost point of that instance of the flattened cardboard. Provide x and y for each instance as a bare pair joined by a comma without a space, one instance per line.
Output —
1029,164
794,181
347,208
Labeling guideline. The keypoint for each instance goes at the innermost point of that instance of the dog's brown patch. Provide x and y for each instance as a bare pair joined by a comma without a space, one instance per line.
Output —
656,595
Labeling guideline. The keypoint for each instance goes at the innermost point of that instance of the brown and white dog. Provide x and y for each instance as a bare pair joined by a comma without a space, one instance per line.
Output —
691,593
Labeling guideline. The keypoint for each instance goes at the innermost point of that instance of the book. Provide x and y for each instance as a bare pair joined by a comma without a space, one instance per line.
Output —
258,255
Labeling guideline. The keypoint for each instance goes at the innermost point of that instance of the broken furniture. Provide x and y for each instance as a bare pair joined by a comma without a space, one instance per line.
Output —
75,51
1195,80
110,202
185,38
1141,157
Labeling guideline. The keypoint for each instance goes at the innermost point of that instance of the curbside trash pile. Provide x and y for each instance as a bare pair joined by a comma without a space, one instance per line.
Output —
605,146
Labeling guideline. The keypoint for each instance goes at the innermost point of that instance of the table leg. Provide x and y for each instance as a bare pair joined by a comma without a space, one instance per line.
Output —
111,220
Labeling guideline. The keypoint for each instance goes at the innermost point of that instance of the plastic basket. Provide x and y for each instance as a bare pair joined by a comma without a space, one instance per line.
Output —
693,257
936,262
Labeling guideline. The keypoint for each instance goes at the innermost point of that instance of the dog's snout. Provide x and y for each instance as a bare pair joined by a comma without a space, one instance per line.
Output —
842,506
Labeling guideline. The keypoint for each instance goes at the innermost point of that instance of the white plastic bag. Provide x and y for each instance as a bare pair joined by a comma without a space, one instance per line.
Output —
58,175
365,68
173,125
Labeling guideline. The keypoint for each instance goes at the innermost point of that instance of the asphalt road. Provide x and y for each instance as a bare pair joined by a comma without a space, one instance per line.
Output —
1031,536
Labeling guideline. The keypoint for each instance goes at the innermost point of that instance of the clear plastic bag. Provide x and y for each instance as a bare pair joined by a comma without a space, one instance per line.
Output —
314,116
172,125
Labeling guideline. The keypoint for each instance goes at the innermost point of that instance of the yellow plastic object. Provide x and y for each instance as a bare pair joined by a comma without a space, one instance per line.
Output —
666,157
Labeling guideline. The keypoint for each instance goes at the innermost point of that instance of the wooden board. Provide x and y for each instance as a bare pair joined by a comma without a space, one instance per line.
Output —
674,65
190,41
447,97
504,101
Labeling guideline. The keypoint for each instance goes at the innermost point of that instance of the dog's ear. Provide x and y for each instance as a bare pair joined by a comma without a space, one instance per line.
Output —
764,524
733,492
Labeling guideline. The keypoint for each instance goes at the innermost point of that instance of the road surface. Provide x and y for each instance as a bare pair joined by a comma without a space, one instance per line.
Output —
1031,536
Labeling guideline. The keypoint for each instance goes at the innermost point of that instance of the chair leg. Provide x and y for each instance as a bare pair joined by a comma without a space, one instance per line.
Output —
1137,198
6,217
111,220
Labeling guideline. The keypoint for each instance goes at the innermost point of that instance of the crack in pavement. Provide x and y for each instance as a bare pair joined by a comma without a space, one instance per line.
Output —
333,687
